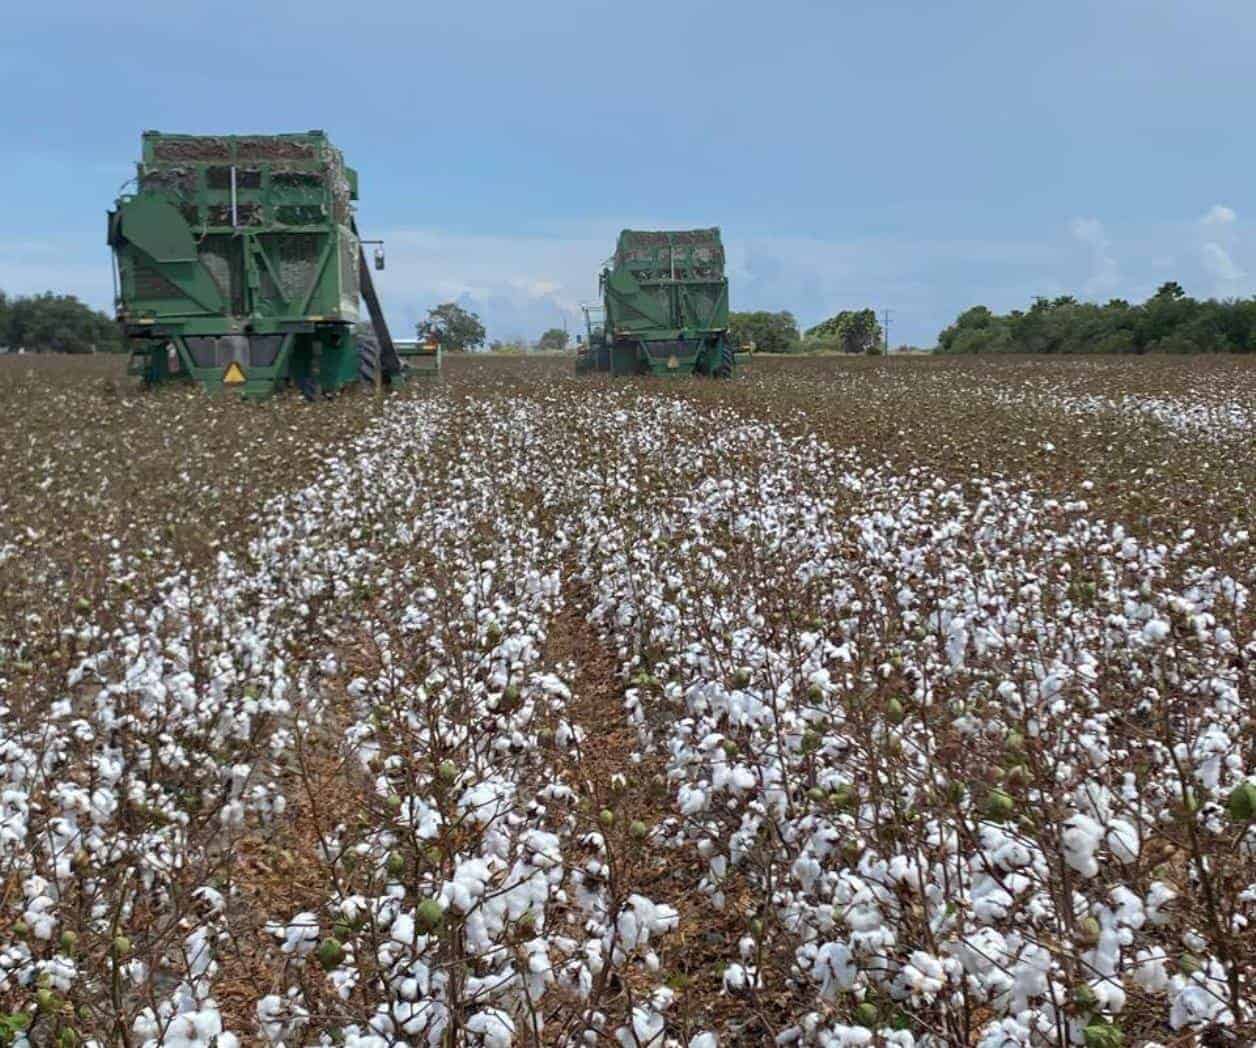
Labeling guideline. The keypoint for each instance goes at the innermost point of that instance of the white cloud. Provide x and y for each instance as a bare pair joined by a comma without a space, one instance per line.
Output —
1218,263
519,285
1218,215
1219,240
1105,274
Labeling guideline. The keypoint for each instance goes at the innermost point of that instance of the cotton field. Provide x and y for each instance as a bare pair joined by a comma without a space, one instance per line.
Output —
838,705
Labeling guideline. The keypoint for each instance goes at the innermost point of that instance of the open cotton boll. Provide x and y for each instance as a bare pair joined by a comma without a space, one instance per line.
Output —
300,935
491,1028
1080,840
648,1026
834,969
1149,969
1200,998
923,977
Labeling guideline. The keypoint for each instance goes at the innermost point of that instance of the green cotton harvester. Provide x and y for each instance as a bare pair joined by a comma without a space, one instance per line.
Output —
238,264
664,308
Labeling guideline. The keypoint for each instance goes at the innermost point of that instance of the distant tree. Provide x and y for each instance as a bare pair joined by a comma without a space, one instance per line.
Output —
978,318
51,323
553,339
455,328
850,331
769,332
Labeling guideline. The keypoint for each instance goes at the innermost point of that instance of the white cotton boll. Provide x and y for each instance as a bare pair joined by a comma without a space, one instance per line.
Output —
834,969
1155,631
40,918
1200,998
692,800
1129,908
200,958
1159,896
704,1040
848,1036
647,1029
300,935
1122,841
493,1028
1031,968
60,972
232,815
356,1039
270,1017
210,898
1149,970
923,976
1006,1033
1109,995
1080,840
737,978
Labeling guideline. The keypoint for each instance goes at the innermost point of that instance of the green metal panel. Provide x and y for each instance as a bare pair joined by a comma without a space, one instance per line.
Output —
154,225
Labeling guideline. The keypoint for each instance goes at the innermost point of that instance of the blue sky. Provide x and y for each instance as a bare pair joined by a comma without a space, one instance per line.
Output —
918,156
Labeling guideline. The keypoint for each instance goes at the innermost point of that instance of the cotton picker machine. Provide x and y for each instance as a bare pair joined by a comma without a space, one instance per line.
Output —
239,265
664,308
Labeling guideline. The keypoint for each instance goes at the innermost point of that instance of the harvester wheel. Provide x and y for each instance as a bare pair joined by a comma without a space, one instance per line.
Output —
725,367
368,357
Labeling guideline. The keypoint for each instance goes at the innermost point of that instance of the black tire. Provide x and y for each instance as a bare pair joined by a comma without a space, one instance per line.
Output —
368,357
724,368
308,387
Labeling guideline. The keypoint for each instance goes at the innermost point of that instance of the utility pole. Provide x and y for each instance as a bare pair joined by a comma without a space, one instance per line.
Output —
885,324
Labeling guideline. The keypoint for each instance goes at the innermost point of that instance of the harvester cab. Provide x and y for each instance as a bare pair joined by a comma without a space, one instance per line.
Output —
239,265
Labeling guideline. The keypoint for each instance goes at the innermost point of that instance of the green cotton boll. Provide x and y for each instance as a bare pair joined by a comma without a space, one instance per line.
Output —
844,797
428,916
1089,930
866,1015
999,806
1241,804
330,953
1102,1035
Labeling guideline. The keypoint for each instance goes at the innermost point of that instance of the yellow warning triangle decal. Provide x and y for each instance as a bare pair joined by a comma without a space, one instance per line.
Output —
233,375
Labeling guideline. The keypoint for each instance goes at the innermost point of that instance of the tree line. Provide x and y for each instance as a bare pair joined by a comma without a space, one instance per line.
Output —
51,323
1170,321
850,331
